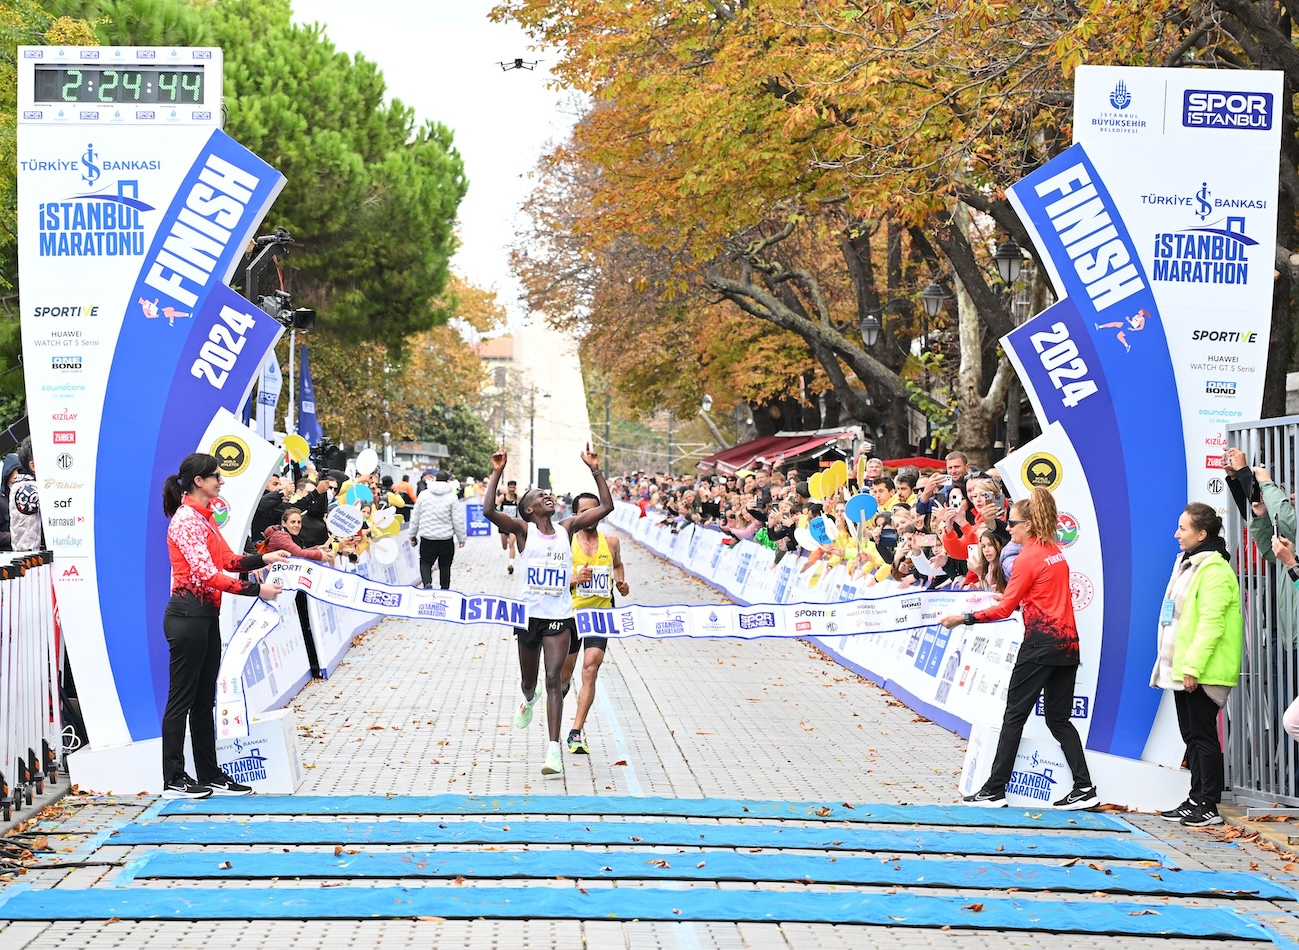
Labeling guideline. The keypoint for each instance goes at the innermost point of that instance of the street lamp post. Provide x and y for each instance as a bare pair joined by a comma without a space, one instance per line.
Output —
1009,257
532,436
669,443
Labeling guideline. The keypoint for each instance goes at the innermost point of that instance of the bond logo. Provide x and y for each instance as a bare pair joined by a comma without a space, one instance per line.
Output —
232,455
755,621
1081,590
1042,470
1066,529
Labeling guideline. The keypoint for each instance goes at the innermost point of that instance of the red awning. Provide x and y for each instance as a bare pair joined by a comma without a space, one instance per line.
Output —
919,461
767,449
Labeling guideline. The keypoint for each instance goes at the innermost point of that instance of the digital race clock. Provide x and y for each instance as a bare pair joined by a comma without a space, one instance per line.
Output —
125,84
133,85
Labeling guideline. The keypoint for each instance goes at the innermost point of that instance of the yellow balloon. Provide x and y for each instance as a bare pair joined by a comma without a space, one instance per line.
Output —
840,471
861,469
297,448
814,485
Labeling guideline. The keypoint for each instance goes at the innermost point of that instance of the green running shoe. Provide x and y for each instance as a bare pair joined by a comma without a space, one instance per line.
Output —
577,742
523,718
554,764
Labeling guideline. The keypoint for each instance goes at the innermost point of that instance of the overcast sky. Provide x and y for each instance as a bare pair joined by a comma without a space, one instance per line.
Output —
440,57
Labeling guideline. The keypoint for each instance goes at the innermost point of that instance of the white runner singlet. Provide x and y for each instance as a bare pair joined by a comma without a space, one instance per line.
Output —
547,570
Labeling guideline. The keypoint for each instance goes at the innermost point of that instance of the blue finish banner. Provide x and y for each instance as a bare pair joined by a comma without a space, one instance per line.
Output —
167,379
1098,364
308,424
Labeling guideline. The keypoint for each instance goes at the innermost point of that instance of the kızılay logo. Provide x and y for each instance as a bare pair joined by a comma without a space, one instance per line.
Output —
64,415
1215,109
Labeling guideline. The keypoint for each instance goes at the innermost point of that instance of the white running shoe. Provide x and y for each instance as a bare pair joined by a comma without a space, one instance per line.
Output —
523,718
554,764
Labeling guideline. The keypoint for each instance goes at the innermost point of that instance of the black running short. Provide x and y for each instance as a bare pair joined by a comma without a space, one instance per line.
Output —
539,627
598,643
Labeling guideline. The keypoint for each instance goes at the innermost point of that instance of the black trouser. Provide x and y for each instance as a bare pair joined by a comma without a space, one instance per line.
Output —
439,550
1197,716
194,635
1027,681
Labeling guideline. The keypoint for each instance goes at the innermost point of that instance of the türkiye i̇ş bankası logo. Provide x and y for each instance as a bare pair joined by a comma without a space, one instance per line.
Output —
103,221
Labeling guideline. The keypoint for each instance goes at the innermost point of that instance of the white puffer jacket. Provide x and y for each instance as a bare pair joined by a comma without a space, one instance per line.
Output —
438,515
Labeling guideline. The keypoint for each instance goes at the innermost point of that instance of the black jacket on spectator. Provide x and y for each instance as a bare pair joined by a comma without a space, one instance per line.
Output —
269,511
314,506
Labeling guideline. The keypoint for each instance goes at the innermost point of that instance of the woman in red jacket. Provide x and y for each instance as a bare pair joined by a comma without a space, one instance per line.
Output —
1048,656
284,537
198,555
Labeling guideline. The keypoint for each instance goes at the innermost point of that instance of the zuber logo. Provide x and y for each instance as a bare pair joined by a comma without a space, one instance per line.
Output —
65,438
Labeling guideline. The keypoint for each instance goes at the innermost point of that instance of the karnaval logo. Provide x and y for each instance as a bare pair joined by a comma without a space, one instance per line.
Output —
232,455
220,511
1042,470
1066,529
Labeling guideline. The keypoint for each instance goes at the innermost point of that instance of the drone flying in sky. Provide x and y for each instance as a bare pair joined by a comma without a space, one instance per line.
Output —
519,63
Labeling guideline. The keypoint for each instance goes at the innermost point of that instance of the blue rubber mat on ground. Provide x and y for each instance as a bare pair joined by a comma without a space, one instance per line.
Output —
630,805
17,902
695,866
615,833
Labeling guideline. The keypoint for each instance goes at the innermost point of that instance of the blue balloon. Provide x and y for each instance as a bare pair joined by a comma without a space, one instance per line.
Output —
861,507
358,494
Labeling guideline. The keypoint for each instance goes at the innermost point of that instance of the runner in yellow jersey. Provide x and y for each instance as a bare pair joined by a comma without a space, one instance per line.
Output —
597,572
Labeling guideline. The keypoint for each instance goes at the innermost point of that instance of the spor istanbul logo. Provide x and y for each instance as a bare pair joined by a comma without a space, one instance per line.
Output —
1119,120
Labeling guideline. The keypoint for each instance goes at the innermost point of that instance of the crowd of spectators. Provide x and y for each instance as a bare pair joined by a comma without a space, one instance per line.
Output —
944,528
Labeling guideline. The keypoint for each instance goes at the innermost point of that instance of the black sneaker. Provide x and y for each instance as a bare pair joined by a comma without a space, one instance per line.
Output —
1181,811
1202,817
225,785
986,799
510,568
185,787
1079,799
577,742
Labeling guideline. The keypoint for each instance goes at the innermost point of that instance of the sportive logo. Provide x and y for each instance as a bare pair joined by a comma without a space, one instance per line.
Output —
1214,109
1081,590
65,438
58,312
1220,387
1225,336
1066,529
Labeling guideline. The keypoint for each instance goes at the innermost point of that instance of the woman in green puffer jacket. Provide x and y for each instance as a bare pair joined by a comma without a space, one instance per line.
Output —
1200,636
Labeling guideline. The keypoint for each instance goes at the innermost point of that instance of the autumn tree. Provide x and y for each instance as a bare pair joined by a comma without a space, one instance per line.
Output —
740,143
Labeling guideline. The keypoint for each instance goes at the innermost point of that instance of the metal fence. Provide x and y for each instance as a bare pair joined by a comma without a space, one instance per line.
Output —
1261,757
30,715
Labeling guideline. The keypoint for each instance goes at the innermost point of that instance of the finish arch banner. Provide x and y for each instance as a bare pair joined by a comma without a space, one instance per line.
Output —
1157,228
134,208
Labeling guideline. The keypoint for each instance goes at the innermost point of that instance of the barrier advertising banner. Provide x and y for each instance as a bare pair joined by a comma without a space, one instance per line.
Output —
134,209
1157,230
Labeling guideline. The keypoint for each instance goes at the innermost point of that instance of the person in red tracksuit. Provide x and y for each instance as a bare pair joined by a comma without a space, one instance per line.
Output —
198,556
1048,656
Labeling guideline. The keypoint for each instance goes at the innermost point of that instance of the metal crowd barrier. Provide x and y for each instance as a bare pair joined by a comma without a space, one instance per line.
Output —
30,714
1261,758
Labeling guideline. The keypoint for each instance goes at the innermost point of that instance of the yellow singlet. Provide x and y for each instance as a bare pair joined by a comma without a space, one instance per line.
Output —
598,591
